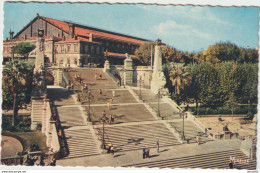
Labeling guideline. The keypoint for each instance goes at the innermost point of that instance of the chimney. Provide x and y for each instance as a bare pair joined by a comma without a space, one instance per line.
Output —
76,37
90,37
71,30
11,34
6,39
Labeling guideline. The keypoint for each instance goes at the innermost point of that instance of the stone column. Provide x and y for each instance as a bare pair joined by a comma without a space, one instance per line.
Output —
128,71
158,79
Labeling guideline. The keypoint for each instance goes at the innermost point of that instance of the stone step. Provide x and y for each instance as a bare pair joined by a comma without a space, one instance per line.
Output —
210,160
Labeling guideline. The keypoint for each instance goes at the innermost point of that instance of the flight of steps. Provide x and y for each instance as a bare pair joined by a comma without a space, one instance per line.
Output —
70,116
61,96
135,137
190,131
122,114
166,111
147,95
219,160
36,113
81,143
88,75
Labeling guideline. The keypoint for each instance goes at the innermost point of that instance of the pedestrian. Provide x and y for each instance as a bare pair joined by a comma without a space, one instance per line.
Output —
231,164
113,93
143,149
148,152
108,148
108,106
100,92
96,76
111,101
158,145
110,119
198,139
112,149
100,76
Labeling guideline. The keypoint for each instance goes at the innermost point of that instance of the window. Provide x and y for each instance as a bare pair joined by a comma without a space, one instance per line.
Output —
92,49
68,47
56,49
75,47
98,50
86,48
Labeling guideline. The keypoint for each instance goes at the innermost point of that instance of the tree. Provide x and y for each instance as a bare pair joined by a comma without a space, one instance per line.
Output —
23,49
205,83
180,79
17,82
226,73
221,52
144,52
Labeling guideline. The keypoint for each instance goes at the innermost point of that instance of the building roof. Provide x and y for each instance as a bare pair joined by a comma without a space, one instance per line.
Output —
31,38
86,31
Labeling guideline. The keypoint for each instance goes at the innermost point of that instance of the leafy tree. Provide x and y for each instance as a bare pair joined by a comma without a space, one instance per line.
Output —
226,72
205,83
248,55
221,52
23,49
180,79
246,77
17,85
143,53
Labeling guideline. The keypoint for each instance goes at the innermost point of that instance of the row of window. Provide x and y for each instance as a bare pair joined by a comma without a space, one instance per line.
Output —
119,45
69,48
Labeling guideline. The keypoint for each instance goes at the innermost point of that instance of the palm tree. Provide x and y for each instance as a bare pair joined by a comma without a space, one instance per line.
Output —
180,79
17,79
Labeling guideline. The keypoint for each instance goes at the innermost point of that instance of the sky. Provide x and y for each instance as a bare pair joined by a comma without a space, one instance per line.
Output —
186,28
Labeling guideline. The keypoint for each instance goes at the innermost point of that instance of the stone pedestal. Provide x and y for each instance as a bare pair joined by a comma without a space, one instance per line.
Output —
106,66
128,71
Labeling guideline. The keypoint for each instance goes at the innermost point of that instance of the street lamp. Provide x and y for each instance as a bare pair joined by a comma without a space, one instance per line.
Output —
182,113
89,98
103,119
140,87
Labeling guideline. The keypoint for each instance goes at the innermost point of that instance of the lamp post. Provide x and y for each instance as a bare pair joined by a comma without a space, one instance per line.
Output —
89,98
140,80
183,136
103,119
182,113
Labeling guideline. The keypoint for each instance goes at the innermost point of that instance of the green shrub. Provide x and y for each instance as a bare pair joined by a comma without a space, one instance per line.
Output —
223,110
38,126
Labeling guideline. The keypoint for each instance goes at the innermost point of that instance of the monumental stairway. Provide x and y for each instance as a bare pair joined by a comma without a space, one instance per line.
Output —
137,124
